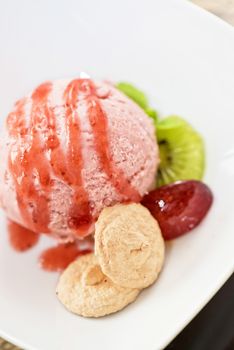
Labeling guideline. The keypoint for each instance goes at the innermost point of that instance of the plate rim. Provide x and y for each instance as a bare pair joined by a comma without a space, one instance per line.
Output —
228,271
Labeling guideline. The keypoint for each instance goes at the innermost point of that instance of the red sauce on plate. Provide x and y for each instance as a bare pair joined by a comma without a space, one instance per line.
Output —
59,257
20,238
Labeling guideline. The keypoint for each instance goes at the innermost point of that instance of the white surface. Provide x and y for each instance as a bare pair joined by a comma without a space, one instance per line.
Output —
184,58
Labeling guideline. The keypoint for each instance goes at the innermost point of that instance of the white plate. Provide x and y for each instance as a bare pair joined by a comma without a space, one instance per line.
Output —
184,58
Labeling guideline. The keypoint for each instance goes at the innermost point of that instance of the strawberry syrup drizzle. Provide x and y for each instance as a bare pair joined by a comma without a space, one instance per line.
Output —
16,119
32,161
79,217
30,165
98,121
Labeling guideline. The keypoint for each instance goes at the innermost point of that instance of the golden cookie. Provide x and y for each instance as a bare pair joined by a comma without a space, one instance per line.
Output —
84,290
129,245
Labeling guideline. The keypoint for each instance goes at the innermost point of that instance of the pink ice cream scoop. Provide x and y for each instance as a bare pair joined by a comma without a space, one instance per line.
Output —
69,149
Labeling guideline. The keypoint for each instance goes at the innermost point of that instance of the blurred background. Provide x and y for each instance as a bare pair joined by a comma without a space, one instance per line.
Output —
221,8
218,316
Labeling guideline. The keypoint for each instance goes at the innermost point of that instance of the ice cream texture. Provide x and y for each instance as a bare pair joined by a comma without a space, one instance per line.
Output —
69,149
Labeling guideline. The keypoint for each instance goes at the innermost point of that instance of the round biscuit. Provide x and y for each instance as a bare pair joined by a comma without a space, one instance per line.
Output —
129,245
84,290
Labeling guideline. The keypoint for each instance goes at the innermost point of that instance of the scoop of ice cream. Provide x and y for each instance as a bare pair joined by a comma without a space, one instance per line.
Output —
84,290
69,149
129,245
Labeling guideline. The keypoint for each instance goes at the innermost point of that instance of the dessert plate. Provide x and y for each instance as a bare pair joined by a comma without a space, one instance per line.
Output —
183,57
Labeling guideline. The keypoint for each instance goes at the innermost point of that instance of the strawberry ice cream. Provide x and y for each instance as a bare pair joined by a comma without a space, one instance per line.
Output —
69,149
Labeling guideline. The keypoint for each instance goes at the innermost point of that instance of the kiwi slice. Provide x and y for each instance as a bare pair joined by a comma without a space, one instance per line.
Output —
138,97
181,150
